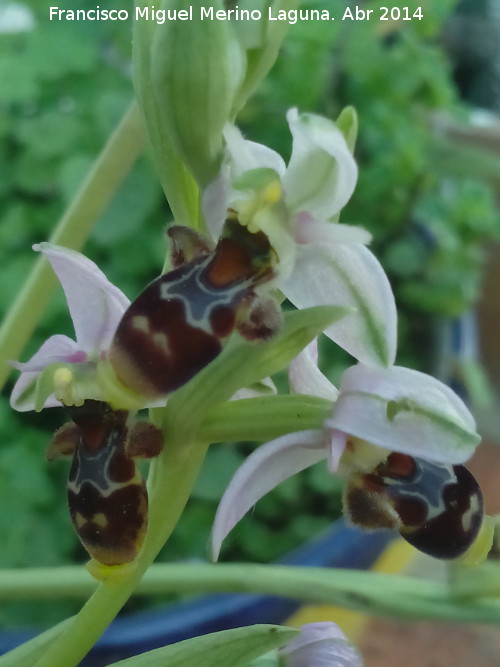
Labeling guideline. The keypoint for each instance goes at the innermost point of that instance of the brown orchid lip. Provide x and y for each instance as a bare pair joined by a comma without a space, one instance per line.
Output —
183,319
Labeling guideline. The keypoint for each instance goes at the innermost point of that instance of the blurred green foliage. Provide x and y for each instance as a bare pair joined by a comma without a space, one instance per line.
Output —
65,85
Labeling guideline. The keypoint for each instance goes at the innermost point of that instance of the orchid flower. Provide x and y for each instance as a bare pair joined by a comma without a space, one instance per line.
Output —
320,645
96,307
321,261
65,371
376,411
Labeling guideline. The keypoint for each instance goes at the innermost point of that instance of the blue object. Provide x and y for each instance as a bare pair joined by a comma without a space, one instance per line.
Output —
342,546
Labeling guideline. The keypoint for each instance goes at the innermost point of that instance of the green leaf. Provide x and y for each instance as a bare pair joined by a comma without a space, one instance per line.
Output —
230,648
50,134
390,595
301,326
268,660
26,654
265,418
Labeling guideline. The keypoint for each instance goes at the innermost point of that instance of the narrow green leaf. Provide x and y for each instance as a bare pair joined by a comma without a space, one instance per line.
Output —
230,648
26,654
264,418
301,326
374,593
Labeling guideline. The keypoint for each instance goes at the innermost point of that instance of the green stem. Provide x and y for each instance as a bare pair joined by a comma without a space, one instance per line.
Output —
368,592
37,583
72,231
173,475
466,582
364,591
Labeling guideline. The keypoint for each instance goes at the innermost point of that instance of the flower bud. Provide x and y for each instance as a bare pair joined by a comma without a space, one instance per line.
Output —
186,75
194,68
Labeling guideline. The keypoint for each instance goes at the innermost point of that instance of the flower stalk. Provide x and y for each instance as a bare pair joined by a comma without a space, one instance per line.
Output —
364,591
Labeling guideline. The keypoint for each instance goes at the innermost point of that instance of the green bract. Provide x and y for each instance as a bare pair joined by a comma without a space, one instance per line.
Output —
193,77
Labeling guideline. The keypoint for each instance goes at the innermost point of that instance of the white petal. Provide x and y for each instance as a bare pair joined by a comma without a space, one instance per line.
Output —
305,377
322,172
320,645
96,305
348,275
405,411
264,469
336,447
241,156
55,349
308,230
246,155
215,202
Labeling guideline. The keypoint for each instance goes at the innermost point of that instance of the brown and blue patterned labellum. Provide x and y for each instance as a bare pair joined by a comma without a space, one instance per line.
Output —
182,320
107,496
436,508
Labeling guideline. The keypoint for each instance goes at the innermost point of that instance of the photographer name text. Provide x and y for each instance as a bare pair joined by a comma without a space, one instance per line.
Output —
191,12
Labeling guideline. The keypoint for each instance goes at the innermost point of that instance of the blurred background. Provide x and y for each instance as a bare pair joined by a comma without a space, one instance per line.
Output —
428,97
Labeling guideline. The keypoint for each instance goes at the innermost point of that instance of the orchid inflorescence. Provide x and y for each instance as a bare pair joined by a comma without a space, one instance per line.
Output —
398,437
199,346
